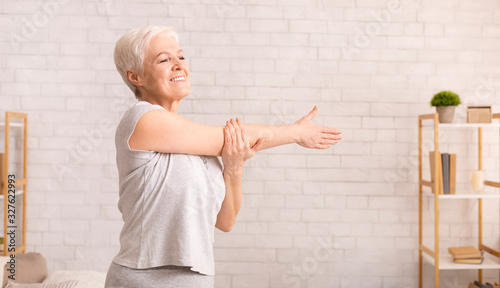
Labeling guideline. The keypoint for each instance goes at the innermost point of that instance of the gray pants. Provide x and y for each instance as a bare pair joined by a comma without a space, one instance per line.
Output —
158,277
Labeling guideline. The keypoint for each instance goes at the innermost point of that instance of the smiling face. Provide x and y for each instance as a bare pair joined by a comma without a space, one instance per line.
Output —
165,74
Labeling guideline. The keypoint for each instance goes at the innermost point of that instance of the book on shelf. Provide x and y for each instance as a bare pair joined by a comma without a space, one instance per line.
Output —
433,157
465,252
469,261
453,173
447,171
445,162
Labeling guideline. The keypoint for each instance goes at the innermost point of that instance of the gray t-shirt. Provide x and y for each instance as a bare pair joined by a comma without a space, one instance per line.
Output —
169,203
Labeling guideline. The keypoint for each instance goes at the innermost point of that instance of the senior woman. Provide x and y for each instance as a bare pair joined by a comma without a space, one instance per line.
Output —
173,189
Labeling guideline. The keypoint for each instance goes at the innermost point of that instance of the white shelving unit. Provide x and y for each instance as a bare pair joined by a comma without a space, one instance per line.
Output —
19,192
443,261
446,263
461,195
465,125
15,124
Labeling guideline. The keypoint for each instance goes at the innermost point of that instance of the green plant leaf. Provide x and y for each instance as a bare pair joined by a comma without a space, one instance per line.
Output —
445,98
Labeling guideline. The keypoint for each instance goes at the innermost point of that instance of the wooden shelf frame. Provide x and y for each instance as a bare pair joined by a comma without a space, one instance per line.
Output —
20,247
432,256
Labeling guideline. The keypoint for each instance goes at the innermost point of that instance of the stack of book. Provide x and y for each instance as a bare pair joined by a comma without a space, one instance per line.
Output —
478,284
466,255
447,171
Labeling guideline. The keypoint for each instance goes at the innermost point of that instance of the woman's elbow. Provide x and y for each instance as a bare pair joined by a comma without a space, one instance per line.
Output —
226,226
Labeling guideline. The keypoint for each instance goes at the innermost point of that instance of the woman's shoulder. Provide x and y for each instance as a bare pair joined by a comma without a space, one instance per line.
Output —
131,117
137,110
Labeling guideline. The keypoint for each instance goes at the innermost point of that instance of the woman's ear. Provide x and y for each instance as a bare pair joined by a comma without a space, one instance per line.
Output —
134,78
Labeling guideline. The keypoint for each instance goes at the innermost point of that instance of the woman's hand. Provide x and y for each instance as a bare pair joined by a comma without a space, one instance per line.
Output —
236,149
313,136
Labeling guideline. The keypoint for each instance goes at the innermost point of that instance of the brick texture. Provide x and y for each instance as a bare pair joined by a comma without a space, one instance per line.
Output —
342,217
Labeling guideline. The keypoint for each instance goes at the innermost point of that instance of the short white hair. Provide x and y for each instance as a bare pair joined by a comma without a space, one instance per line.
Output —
131,48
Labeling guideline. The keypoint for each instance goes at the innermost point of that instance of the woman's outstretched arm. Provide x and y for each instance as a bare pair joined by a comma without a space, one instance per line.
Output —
167,132
302,132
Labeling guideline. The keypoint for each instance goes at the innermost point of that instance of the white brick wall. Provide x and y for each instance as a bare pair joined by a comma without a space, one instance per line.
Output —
343,217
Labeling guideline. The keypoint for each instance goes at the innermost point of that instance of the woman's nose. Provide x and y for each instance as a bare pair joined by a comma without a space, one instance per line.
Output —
178,64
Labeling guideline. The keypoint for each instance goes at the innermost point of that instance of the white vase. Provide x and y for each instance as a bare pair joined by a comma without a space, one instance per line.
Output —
477,181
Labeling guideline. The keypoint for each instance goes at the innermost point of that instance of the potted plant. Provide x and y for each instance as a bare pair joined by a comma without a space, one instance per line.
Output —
445,102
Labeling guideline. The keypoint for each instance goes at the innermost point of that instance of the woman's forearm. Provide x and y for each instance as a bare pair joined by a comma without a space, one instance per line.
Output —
303,132
275,135
232,201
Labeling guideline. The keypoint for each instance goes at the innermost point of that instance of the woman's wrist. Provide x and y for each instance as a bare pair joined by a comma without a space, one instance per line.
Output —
295,132
233,171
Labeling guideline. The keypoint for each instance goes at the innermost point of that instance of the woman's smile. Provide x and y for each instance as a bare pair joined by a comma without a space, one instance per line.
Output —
178,79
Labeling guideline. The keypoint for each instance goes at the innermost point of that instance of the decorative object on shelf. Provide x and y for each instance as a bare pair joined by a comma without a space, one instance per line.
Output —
445,103
478,181
478,114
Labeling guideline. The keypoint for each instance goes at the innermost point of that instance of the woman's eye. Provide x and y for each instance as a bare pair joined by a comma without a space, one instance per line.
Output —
168,59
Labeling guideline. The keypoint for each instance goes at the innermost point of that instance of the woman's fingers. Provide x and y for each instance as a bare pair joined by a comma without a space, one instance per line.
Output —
235,125
244,137
232,135
240,142
329,142
330,130
241,134
331,136
240,123
312,114
242,129
237,131
237,135
227,136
